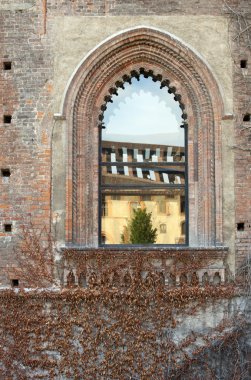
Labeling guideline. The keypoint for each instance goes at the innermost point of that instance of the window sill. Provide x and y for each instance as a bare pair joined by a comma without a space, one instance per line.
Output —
162,250
172,264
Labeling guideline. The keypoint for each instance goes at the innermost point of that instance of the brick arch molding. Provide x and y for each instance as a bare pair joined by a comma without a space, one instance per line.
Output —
167,57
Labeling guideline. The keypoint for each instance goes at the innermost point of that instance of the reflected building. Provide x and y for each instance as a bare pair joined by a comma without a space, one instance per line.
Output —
150,176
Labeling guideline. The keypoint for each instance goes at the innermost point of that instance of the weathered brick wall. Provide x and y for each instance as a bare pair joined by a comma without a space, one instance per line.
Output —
144,7
242,147
26,93
25,142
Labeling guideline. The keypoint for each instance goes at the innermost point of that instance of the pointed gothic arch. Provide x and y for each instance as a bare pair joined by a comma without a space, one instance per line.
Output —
158,53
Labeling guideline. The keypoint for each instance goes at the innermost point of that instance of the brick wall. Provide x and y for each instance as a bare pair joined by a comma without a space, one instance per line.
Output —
141,7
25,93
242,93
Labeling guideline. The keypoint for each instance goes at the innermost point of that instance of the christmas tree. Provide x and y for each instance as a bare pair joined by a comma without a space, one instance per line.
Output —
140,229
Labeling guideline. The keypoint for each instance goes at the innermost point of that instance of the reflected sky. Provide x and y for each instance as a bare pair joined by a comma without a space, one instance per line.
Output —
144,113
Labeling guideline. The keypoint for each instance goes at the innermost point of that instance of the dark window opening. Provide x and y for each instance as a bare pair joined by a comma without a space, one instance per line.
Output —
240,226
7,119
14,283
243,63
247,117
5,172
7,227
7,65
71,279
162,228
104,209
183,228
162,206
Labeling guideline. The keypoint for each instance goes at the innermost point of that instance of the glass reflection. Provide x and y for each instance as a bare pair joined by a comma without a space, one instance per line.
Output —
167,216
143,167
129,152
144,114
140,176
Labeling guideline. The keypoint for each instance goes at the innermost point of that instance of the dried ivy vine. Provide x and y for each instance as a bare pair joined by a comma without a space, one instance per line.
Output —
109,330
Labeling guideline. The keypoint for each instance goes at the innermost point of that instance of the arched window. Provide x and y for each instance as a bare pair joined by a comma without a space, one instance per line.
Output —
143,164
146,173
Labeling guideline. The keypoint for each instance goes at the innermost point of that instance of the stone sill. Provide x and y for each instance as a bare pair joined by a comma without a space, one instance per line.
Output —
220,252
172,264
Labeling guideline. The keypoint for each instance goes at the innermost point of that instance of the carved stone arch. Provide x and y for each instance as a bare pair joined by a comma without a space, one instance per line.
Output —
163,55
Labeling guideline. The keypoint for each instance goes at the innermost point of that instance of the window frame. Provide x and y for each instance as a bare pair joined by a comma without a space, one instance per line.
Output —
185,186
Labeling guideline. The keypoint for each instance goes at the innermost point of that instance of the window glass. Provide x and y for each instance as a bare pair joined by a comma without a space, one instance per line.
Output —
143,167
162,228
165,215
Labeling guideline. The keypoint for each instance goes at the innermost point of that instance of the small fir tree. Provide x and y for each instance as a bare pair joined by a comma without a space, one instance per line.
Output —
140,228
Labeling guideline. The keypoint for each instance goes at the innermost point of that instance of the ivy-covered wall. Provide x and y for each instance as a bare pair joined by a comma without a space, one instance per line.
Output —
109,333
